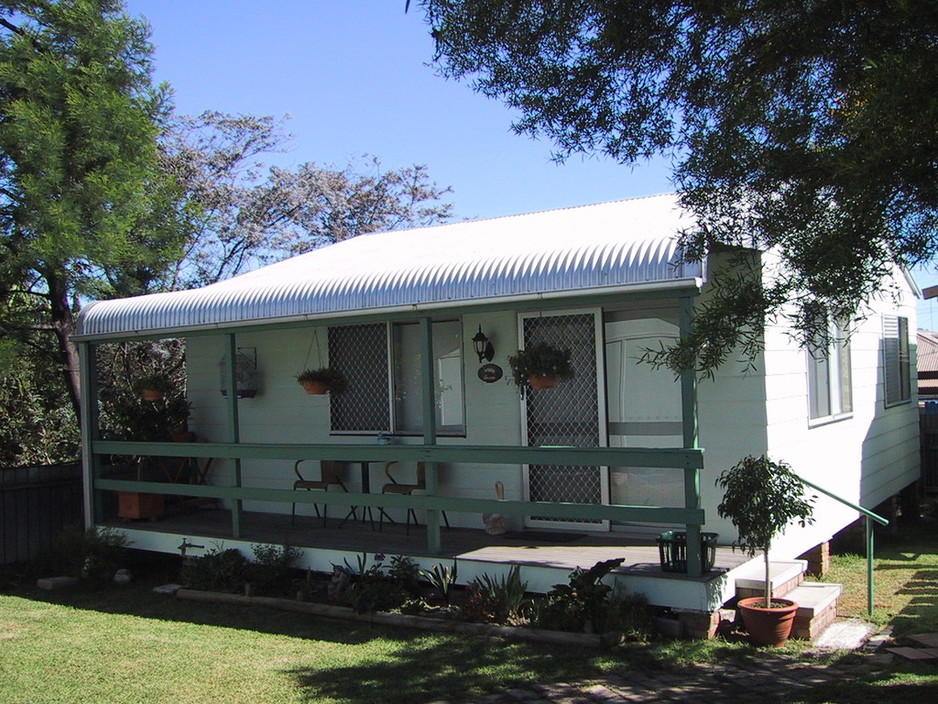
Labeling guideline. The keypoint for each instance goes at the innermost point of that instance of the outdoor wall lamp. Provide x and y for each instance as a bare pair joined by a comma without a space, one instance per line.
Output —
483,346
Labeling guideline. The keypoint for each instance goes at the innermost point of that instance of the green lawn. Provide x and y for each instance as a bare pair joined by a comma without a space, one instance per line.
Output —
128,645
905,578
118,645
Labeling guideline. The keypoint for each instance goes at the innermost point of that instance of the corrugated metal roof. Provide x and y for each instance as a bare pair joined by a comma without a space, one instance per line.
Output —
623,243
927,352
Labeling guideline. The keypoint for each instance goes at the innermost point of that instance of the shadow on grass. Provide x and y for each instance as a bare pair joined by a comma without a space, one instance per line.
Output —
865,683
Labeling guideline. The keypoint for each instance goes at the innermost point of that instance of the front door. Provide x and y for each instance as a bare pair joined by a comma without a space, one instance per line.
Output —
570,414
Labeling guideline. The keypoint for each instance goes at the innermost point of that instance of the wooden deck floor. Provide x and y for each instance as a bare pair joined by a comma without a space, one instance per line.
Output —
542,548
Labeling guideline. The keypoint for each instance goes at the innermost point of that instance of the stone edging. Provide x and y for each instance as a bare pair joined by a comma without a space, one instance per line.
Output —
581,640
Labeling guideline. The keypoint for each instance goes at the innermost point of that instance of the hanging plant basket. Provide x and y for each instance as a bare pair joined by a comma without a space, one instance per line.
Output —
153,387
317,388
542,381
540,366
320,381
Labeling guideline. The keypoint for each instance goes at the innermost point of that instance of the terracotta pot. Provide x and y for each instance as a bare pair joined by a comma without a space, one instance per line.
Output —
135,505
151,394
542,381
315,387
767,626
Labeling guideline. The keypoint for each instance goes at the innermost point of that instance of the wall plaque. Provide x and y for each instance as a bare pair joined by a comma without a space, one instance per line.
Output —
490,373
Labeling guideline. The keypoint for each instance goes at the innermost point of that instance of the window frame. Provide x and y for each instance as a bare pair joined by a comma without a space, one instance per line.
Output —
837,387
390,395
897,369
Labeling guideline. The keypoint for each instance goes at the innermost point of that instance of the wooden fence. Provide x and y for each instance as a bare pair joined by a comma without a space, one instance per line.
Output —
928,424
36,503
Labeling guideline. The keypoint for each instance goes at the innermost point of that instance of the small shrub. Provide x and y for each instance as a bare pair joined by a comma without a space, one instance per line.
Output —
369,589
442,579
217,570
502,601
405,573
272,569
583,605
93,554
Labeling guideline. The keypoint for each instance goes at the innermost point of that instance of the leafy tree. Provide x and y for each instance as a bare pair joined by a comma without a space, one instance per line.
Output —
807,127
84,212
242,213
105,193
36,428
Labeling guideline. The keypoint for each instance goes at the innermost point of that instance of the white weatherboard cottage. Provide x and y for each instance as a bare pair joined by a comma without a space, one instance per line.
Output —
621,450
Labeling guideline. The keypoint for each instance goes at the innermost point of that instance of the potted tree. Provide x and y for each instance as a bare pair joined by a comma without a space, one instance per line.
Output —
540,366
761,497
153,387
319,381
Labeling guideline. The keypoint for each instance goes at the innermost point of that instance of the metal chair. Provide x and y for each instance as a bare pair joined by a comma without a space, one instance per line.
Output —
395,487
329,474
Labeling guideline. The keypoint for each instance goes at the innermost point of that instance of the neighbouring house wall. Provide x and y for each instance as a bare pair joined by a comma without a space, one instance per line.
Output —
282,413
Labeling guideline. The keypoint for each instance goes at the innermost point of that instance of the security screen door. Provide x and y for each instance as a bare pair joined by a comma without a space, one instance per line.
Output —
570,414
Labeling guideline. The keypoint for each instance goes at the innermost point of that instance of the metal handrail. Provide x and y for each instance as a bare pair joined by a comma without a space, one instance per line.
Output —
867,517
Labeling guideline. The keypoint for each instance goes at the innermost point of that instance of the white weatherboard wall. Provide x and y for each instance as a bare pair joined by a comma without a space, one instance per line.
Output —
283,413
865,457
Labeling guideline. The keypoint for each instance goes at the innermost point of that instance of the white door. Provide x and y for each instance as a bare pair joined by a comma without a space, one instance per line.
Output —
569,415
644,408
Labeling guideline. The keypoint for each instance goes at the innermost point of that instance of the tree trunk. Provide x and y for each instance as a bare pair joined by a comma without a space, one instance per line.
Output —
768,581
63,325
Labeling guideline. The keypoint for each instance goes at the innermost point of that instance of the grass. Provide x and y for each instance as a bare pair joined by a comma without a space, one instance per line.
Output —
905,579
119,644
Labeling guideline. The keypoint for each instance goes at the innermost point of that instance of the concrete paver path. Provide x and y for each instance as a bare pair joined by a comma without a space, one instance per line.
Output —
773,678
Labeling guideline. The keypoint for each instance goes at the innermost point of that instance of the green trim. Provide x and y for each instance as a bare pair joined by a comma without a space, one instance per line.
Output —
433,503
689,423
234,424
868,518
453,454
89,426
428,397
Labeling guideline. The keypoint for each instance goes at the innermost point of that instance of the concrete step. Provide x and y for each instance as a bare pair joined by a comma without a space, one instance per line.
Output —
817,602
783,576
817,608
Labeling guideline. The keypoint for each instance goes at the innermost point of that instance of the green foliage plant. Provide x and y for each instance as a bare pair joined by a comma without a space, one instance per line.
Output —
92,554
501,600
785,124
539,359
87,213
582,605
761,497
404,572
442,578
218,570
369,587
333,379
154,382
272,569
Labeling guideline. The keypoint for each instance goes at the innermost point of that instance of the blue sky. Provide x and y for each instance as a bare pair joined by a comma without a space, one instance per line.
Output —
353,76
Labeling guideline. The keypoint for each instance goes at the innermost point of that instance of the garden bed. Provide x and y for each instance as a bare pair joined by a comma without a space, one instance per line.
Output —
586,612
426,623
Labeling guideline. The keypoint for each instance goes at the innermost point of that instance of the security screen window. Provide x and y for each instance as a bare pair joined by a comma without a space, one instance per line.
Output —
382,364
